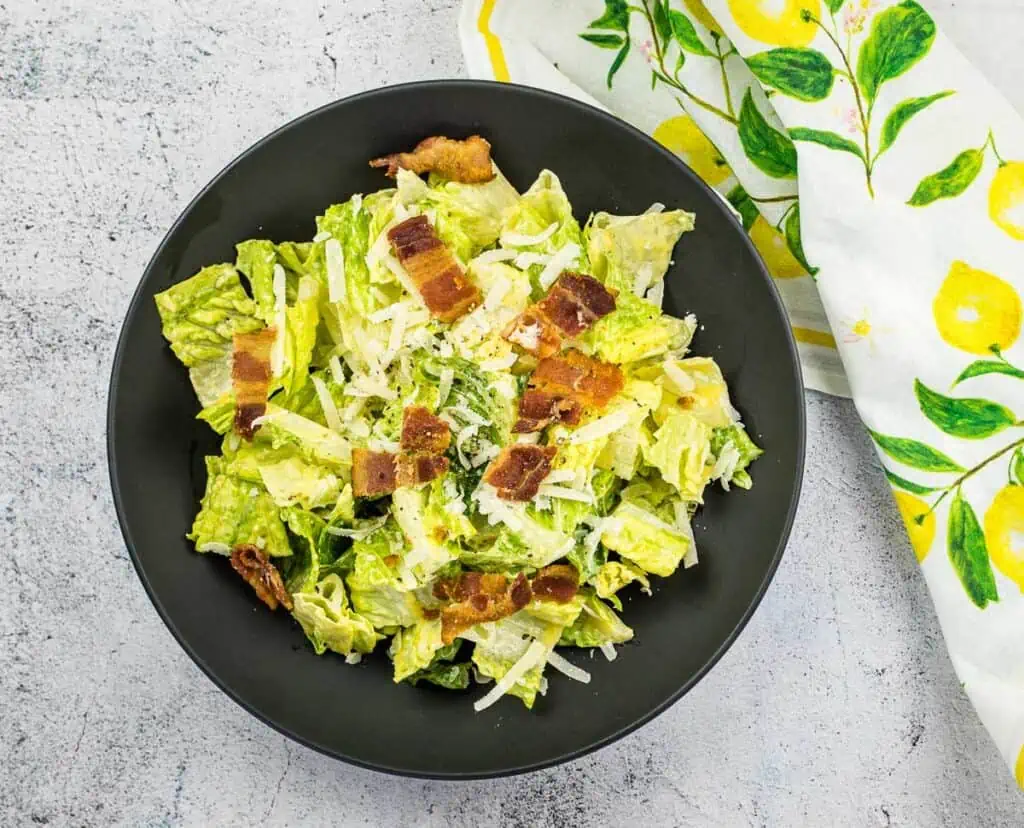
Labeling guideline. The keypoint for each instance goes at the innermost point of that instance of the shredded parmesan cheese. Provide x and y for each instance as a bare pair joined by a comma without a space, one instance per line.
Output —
562,260
498,363
567,668
327,404
497,292
510,239
680,379
601,427
533,656
280,317
337,374
564,493
656,295
527,338
609,651
684,527
525,260
323,235
444,388
216,548
492,256
657,207
335,256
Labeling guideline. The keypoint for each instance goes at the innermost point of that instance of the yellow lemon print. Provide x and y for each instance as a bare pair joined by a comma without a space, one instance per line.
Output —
1006,199
702,15
1020,767
1004,533
921,534
976,311
682,135
779,22
774,250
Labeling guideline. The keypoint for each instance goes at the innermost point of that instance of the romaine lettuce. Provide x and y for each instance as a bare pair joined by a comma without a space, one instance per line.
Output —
597,624
682,453
632,253
329,622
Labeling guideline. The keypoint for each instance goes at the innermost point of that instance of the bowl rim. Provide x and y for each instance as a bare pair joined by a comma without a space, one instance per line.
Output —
650,715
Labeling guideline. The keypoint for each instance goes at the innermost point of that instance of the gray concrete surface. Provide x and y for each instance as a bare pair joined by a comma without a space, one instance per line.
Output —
837,706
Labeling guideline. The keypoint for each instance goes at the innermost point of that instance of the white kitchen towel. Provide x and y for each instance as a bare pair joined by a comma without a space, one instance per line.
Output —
882,178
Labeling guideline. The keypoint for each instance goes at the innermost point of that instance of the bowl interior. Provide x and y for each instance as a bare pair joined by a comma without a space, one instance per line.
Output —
261,658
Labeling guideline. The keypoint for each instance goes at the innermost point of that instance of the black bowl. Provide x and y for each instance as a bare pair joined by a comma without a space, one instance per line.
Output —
261,659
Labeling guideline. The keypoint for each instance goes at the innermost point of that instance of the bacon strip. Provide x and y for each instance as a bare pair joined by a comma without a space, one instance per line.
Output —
562,386
414,469
574,303
259,573
467,161
538,409
250,377
518,471
380,472
590,382
423,432
373,473
478,598
445,290
558,583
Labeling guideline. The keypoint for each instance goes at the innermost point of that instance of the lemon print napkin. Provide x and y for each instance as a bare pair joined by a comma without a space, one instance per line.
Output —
882,179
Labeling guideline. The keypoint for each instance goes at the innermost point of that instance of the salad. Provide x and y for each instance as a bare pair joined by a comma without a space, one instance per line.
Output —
457,425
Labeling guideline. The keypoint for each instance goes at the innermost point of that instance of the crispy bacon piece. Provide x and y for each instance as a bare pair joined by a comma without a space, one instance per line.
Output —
380,472
468,161
575,376
532,332
414,469
423,432
538,409
574,303
445,290
518,471
478,597
558,583
373,473
250,377
259,573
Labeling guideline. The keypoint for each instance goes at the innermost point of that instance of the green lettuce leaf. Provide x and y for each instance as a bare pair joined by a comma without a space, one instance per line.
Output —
733,443
681,452
292,481
302,570
375,585
414,647
329,622
636,330
632,253
500,644
696,384
235,511
596,625
315,443
615,575
638,534
255,260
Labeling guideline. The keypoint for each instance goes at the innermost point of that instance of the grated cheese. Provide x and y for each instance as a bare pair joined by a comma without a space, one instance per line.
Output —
280,321
216,548
533,656
498,363
567,668
564,493
657,207
466,434
353,658
656,295
337,374
680,379
525,260
335,256
467,414
561,476
497,292
562,260
492,256
527,338
609,651
380,444
323,235
684,527
396,336
486,453
510,239
327,404
725,465
601,427
444,388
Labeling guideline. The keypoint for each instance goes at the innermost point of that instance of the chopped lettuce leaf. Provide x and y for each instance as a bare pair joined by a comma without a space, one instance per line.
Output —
292,481
376,589
641,536
236,511
681,452
746,452
329,622
315,443
256,259
413,648
597,624
636,330
201,315
696,385
480,209
632,253
500,644
302,570
552,612
430,549
615,575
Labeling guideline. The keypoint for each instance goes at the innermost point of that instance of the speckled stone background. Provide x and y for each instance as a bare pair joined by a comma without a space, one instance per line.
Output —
837,706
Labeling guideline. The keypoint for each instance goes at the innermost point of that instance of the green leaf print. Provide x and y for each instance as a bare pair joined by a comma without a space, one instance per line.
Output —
971,419
826,139
795,241
968,553
988,366
1017,467
617,63
616,16
902,113
915,454
900,36
804,74
908,485
744,204
686,35
662,26
950,181
834,5
605,41
768,149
